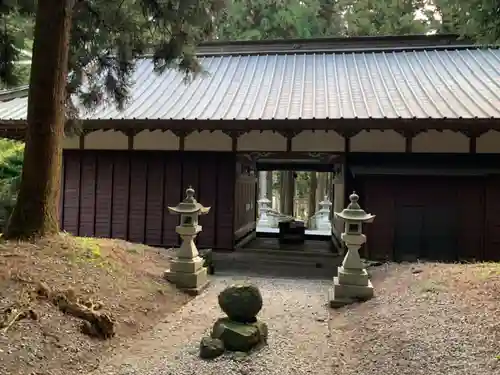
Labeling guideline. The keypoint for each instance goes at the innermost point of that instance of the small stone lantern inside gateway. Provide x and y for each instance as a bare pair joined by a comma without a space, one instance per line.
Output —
352,282
186,270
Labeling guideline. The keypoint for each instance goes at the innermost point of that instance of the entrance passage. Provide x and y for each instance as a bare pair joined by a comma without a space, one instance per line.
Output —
295,204
304,197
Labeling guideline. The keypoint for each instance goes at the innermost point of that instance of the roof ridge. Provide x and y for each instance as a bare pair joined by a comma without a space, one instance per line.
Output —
333,43
14,93
207,53
202,53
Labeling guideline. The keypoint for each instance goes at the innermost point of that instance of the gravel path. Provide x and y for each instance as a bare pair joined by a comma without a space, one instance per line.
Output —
426,318
295,311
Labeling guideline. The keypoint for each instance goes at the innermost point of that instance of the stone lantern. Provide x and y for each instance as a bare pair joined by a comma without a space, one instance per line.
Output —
186,270
352,283
264,221
323,216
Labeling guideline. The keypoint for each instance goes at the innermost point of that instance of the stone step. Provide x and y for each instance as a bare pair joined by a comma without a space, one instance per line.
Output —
273,270
272,263
288,257
288,253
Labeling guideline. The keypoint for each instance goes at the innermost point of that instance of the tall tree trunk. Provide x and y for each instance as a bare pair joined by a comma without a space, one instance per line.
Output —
321,186
329,185
283,191
312,194
37,208
269,183
290,193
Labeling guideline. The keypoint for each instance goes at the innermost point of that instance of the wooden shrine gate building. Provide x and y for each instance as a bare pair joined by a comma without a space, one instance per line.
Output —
412,123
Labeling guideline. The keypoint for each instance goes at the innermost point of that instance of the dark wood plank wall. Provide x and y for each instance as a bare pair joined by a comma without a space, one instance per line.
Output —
475,199
125,195
492,219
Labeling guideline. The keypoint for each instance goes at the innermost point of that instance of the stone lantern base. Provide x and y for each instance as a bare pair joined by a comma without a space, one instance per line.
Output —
351,285
188,275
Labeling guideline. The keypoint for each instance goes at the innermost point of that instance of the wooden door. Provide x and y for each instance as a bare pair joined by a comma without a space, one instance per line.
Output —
408,239
439,233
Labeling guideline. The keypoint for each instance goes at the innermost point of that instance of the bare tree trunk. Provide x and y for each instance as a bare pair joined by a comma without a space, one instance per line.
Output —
283,191
321,185
290,194
329,185
312,193
37,209
269,189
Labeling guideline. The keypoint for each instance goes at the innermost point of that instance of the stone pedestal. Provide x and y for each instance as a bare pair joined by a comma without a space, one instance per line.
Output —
190,282
352,282
187,271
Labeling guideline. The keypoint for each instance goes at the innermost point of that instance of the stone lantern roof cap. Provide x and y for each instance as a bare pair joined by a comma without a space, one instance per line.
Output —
354,212
189,205
326,201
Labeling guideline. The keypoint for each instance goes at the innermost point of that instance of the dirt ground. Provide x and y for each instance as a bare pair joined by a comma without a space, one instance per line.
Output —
124,278
426,318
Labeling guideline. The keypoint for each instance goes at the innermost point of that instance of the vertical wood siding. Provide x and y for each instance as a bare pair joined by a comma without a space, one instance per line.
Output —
475,200
122,194
244,205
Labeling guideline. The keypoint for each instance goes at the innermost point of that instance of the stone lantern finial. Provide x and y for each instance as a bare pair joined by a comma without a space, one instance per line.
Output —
190,192
354,198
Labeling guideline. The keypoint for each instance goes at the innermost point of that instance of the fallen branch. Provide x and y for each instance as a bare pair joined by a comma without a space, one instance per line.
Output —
10,315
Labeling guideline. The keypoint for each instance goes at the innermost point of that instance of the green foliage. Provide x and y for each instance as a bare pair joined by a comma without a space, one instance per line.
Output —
16,27
387,17
281,19
475,19
11,163
269,19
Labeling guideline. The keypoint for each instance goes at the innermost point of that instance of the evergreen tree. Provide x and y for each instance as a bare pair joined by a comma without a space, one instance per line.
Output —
269,19
16,27
478,20
96,42
386,17
331,18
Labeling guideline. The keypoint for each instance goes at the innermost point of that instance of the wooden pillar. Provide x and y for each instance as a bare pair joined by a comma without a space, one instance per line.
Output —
339,198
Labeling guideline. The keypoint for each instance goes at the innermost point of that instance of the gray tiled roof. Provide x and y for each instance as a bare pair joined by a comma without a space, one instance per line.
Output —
453,83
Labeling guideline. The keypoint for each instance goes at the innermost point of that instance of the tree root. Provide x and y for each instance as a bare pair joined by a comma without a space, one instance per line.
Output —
96,323
13,314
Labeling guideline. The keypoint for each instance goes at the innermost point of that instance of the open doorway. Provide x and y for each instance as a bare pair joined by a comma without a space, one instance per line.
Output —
305,196
295,207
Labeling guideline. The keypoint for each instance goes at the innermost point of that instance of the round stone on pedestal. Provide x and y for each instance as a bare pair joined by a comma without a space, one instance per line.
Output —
241,303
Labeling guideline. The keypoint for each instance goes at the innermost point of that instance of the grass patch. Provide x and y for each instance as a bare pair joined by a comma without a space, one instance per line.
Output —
87,250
